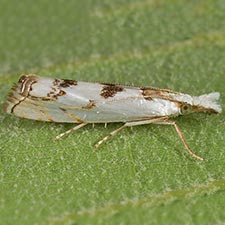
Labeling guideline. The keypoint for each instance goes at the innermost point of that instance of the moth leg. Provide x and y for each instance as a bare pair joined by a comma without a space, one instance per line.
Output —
165,121
181,136
108,136
70,130
160,120
128,124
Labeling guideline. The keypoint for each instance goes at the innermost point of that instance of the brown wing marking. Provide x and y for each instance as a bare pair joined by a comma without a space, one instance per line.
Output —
110,90
72,116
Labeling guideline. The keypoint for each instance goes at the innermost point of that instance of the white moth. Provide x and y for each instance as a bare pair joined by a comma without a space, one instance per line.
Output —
70,101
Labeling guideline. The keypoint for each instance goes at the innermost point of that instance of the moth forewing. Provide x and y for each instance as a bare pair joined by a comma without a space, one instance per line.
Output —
70,101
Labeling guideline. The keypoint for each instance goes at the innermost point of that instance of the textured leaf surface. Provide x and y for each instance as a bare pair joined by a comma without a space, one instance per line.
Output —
143,175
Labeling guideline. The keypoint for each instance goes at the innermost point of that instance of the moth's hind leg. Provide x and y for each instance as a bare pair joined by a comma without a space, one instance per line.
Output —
70,130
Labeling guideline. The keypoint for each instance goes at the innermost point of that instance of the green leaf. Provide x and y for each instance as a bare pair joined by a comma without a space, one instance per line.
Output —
143,175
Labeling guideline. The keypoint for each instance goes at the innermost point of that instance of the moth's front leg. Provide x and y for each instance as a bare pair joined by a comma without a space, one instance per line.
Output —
181,136
164,120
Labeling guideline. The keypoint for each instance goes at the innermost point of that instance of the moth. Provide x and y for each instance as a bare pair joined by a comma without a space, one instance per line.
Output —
71,101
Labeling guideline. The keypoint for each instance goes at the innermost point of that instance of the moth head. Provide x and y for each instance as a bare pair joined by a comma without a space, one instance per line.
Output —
206,103
185,108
